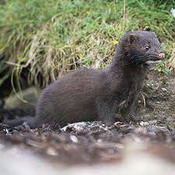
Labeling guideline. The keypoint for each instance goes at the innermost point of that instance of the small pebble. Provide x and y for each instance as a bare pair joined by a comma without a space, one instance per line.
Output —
74,139
52,152
99,141
144,123
153,122
164,90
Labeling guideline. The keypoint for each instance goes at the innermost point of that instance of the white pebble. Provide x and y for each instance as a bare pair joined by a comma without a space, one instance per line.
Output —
74,139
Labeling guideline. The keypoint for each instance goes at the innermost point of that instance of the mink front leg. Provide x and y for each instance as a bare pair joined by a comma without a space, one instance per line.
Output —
106,112
126,106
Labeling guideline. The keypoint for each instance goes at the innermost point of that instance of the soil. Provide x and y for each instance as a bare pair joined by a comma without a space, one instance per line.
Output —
94,142
157,101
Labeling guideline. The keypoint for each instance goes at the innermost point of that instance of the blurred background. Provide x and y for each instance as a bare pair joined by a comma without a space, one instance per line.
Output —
40,40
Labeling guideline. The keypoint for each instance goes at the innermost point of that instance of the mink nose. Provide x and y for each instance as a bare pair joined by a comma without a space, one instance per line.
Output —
161,55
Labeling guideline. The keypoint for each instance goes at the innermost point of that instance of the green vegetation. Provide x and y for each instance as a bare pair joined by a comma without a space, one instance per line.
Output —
51,37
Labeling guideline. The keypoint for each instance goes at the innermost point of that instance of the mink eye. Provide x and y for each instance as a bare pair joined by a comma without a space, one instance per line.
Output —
147,47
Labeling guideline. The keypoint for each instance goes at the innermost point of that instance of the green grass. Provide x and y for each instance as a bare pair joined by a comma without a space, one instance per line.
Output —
51,37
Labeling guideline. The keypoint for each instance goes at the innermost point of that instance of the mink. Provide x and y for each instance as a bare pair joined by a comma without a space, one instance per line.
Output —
95,94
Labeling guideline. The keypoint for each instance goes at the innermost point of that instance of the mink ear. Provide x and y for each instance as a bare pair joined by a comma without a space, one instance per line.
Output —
132,38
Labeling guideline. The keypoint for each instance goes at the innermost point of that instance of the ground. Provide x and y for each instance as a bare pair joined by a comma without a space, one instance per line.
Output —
158,99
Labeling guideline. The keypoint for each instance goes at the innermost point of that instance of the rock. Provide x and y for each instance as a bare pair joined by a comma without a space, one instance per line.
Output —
24,100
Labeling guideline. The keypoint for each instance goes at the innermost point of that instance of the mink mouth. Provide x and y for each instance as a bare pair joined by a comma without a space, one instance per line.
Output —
152,62
154,59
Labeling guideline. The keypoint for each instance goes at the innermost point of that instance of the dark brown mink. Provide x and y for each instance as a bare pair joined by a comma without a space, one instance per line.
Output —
93,94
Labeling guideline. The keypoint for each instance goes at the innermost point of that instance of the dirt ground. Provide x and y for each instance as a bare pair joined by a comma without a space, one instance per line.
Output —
94,142
157,101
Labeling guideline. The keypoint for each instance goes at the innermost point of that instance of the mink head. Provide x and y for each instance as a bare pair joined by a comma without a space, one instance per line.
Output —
140,47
